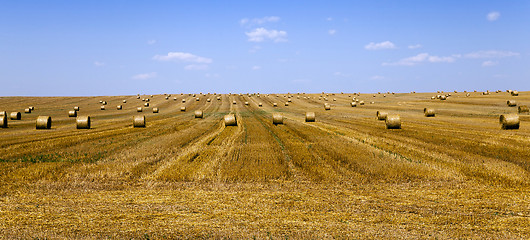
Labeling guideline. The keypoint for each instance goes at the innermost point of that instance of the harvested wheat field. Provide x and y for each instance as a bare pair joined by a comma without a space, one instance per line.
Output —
453,175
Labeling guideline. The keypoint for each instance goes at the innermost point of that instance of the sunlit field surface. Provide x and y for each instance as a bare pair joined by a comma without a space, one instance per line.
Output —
455,175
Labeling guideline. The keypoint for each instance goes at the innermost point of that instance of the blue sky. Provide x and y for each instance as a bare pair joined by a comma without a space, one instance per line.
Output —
65,48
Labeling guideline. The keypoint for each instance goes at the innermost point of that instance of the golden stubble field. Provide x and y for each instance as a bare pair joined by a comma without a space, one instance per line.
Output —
455,175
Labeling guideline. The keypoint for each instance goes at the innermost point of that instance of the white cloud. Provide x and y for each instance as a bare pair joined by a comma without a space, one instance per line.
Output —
377,77
381,45
259,21
415,46
422,57
491,54
196,67
489,63
256,67
151,42
493,16
99,64
144,76
262,34
185,57
332,31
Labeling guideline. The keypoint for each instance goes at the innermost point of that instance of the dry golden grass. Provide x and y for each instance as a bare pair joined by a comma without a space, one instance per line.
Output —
345,176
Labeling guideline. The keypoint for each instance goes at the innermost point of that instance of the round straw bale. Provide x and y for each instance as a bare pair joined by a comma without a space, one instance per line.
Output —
27,110
523,109
334,99
277,118
246,103
3,121
198,114
511,103
353,104
361,102
393,122
197,99
183,100
32,108
139,109
443,97
182,109
429,112
327,106
100,101
76,108
147,100
234,102
155,110
467,94
485,93
274,104
289,100
3,113
515,93
218,98
146,104
138,121
102,107
433,97
310,116
104,103
208,100
174,99
151,96
167,97
230,120
260,104
124,101
44,122
381,115
119,107
83,122
286,103
72,113
509,121
137,97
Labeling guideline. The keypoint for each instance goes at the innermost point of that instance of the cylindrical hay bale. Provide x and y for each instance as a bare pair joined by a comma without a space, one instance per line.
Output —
260,104
246,103
277,118
509,121
167,97
151,96
102,107
104,103
208,100
83,122
218,98
3,121
138,121
234,102
289,100
274,104
44,122
511,103
198,114
27,110
197,99
72,113
230,120
139,109
155,110
182,109
429,112
467,94
381,115
183,100
76,108
286,103
523,109
32,108
354,104
443,97
361,102
119,107
137,97
147,100
393,122
327,106
146,104
3,113
100,101
124,101
515,93
174,99
15,116
310,116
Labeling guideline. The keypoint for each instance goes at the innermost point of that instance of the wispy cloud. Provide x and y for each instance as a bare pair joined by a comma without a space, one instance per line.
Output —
493,16
182,56
332,31
415,46
144,76
420,58
196,67
491,54
151,42
258,21
262,34
379,46
99,64
489,63
256,67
